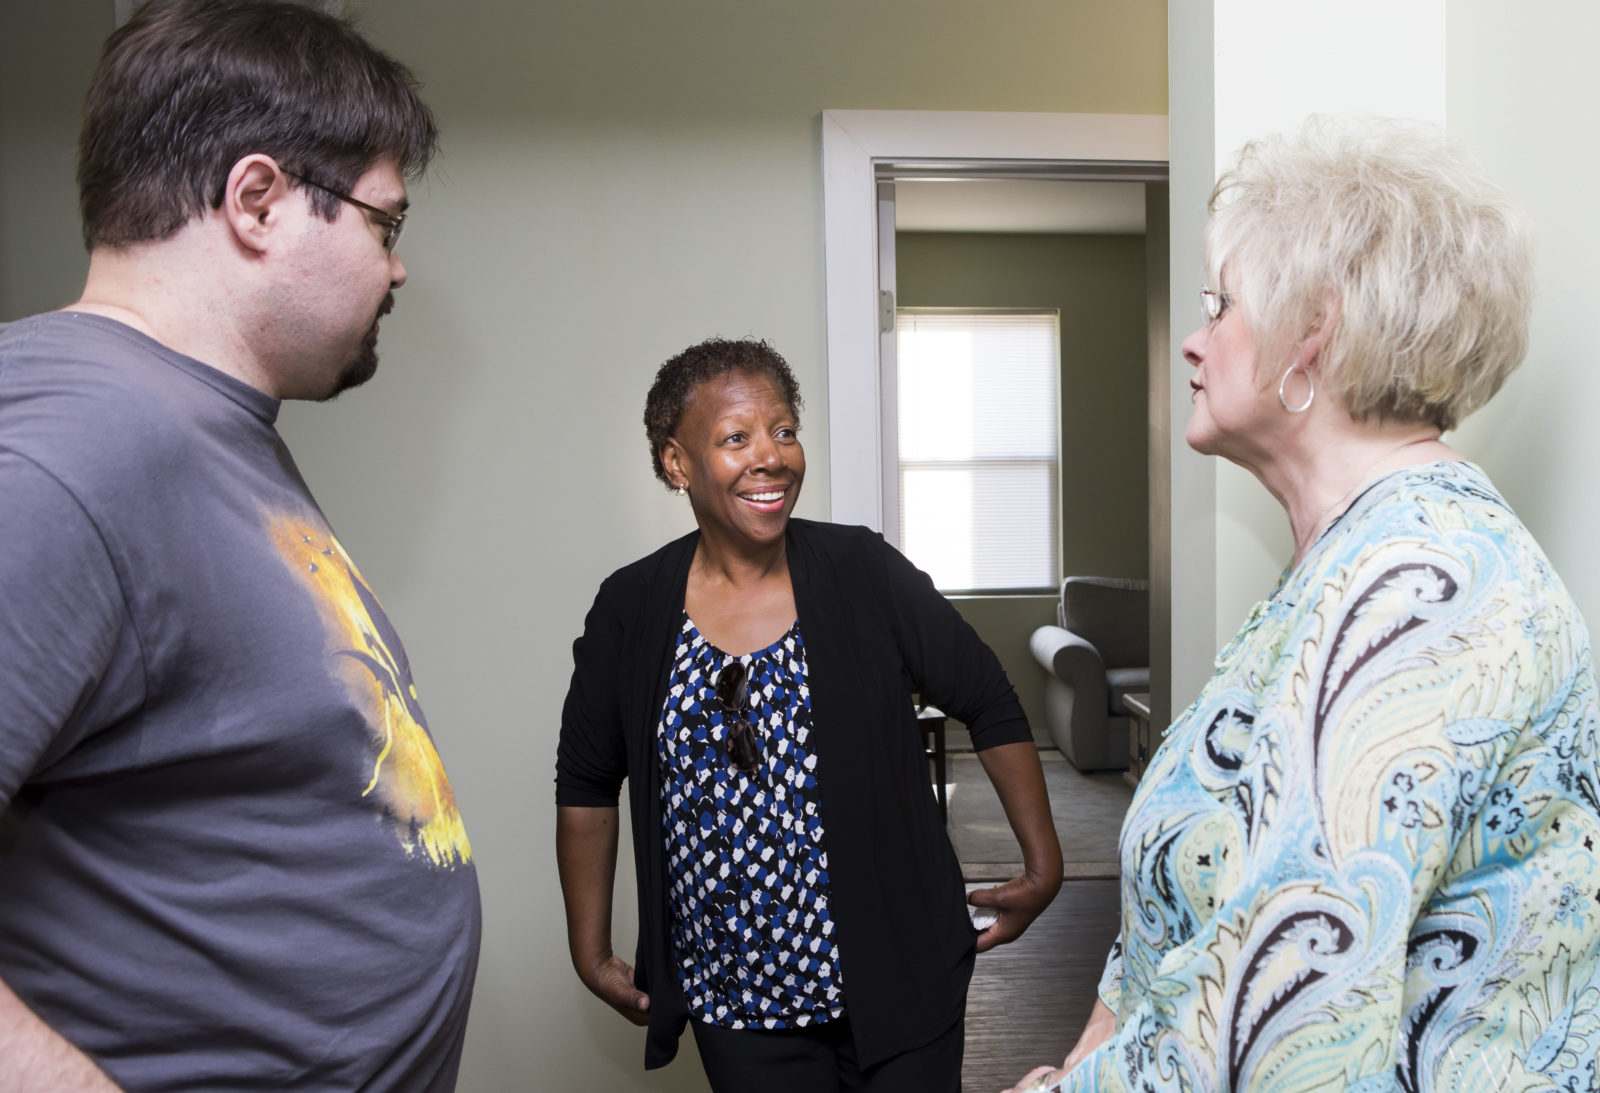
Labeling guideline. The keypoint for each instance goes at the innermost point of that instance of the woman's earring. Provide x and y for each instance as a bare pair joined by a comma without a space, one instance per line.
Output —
1311,392
682,490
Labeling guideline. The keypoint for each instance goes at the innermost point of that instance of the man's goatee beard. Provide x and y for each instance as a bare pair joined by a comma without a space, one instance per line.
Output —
365,364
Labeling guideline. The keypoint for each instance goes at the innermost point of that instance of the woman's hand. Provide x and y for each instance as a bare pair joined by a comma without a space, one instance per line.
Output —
1018,779
1016,904
1040,1077
586,857
611,980
1101,1027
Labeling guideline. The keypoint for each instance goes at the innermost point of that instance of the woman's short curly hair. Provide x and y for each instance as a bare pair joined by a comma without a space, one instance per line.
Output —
1421,265
677,379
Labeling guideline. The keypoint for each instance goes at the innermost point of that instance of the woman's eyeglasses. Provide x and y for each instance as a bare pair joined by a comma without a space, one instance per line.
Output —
1213,304
739,739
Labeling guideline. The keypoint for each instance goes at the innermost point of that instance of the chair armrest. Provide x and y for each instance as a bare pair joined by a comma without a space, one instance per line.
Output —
1077,700
1072,659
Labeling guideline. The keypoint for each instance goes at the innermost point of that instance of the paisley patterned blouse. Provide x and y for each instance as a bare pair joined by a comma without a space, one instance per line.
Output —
1364,858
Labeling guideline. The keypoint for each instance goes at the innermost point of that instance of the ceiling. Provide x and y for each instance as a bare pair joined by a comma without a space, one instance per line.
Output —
1019,205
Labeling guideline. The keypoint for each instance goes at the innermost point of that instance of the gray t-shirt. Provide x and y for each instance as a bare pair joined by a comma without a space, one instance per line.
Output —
229,855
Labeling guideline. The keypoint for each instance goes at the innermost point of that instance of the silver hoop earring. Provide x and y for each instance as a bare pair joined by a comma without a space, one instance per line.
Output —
1311,392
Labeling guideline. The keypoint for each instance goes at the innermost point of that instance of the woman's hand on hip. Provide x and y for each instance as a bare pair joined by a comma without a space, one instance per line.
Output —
1015,904
1018,779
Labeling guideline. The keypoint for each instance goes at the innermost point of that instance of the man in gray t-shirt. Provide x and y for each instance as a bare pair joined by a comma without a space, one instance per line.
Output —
229,854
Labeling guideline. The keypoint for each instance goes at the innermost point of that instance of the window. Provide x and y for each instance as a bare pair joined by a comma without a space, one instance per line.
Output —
979,437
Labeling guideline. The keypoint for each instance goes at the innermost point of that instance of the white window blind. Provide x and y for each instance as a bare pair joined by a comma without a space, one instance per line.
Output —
979,431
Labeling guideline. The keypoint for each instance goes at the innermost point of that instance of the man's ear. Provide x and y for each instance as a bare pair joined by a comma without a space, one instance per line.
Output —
252,200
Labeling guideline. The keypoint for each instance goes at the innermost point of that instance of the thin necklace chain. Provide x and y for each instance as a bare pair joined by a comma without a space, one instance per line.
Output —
1366,476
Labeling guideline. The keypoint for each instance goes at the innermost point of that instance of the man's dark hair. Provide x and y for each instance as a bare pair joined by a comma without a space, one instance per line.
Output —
187,88
677,379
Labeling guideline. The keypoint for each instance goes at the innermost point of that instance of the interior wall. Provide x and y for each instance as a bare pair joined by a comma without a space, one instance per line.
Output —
618,179
1523,95
47,52
1189,545
1098,284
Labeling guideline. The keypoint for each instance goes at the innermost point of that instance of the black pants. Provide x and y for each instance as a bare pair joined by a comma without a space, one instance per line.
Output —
822,1059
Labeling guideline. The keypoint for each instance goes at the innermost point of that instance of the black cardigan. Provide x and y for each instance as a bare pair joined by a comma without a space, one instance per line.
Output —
875,630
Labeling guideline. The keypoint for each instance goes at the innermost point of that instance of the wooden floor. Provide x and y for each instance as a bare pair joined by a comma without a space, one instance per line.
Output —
1029,1000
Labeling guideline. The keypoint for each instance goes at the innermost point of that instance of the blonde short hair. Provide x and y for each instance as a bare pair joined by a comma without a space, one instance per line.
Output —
1423,267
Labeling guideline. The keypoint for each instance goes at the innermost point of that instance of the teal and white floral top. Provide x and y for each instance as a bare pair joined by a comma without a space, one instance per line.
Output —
1365,858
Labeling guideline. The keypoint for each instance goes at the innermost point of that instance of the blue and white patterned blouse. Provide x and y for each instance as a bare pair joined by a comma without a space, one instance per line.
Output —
1364,858
746,870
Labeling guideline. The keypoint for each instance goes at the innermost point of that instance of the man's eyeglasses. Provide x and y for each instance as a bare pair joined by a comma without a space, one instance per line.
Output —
1213,304
739,737
393,224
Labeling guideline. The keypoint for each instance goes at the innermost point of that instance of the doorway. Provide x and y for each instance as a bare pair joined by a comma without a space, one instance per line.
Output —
1013,372
867,157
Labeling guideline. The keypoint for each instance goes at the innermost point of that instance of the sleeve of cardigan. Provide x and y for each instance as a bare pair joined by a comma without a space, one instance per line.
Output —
591,760
948,662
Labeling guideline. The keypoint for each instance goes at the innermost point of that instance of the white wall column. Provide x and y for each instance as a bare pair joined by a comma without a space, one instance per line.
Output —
1238,70
1524,96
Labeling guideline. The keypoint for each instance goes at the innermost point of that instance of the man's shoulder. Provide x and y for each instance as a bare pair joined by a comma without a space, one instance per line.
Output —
89,399
66,335
74,358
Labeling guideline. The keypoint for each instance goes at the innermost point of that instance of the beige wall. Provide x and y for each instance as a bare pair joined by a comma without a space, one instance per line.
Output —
618,180
1098,283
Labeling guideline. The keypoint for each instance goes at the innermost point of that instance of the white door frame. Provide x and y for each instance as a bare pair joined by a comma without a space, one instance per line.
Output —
854,142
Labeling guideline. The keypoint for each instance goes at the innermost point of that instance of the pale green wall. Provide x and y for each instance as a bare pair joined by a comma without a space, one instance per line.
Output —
1006,623
47,51
1098,283
618,180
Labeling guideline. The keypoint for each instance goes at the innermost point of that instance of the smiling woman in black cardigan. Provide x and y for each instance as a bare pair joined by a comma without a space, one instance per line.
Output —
799,899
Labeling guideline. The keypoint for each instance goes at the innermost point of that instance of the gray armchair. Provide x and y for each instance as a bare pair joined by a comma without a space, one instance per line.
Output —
1098,653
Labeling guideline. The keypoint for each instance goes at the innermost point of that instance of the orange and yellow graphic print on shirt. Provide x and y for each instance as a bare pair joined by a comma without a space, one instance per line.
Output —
406,774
